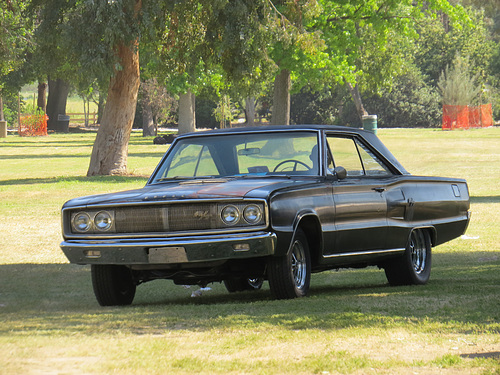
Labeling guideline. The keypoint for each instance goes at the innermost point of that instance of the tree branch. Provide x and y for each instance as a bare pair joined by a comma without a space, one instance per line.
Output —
344,18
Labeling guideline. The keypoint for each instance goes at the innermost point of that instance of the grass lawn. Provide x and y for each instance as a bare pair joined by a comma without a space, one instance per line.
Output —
353,322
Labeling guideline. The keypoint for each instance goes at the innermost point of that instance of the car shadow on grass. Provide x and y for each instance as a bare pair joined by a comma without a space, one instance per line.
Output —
485,199
52,297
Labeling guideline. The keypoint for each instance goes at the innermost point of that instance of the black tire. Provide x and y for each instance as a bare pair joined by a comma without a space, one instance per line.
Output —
290,275
113,285
414,267
241,285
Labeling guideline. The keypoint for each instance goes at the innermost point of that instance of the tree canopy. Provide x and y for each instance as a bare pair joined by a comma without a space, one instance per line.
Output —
240,49
15,35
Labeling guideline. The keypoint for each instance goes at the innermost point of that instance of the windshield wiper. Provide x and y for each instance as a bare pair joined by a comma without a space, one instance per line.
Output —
263,176
183,178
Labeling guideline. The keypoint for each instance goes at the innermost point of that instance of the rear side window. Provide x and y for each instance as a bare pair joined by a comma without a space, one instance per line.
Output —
355,157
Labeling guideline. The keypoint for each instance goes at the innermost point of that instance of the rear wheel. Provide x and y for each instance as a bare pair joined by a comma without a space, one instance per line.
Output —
414,267
113,285
290,275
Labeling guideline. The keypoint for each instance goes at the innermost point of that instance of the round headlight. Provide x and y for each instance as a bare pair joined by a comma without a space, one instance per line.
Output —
252,214
103,221
81,222
230,215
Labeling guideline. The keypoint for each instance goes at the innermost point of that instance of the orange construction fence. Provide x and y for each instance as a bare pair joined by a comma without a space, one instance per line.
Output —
32,125
465,116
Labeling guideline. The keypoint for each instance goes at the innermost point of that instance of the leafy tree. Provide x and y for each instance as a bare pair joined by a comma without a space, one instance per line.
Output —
50,59
205,107
101,38
16,32
157,106
224,112
361,34
439,42
220,44
409,102
15,35
297,52
182,52
457,84
325,106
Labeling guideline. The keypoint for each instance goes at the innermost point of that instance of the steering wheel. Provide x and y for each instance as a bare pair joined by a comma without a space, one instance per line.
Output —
296,162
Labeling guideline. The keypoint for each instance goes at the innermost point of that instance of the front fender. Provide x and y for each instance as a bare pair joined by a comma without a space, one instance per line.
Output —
309,222
311,206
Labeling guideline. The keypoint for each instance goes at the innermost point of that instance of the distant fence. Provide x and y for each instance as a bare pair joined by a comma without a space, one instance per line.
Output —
87,119
465,116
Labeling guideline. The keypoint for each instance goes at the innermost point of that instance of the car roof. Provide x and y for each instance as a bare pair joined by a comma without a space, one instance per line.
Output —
252,129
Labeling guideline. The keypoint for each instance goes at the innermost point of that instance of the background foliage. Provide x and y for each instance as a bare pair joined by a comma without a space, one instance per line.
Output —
394,51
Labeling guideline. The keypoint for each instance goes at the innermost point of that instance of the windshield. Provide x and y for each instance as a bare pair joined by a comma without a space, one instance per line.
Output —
249,154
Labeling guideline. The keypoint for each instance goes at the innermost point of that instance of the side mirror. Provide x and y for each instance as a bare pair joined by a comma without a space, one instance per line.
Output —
340,172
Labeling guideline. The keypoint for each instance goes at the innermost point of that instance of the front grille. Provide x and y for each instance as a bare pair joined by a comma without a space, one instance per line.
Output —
173,218
141,219
192,217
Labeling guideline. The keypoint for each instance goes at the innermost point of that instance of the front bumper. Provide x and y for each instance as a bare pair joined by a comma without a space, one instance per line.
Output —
152,251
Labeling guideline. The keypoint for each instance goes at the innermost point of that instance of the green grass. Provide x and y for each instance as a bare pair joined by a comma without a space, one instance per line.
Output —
353,322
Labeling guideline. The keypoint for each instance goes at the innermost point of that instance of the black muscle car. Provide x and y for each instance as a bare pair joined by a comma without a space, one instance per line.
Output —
245,205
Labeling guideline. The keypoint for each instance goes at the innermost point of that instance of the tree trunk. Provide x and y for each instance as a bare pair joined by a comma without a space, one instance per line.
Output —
56,105
356,97
250,111
187,116
87,111
148,124
100,107
281,99
281,114
110,151
42,97
1,109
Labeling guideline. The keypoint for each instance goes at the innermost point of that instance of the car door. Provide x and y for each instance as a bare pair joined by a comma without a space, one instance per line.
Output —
360,198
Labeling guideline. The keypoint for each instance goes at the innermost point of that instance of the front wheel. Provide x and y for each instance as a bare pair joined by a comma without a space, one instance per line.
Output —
414,267
113,285
290,275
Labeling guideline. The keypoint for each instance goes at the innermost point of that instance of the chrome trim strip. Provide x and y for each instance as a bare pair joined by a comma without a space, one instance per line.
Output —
161,242
168,235
368,252
162,200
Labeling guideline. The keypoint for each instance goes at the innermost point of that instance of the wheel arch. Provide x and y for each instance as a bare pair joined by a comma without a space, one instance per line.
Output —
431,230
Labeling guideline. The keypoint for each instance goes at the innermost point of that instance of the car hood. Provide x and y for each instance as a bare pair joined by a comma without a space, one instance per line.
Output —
193,189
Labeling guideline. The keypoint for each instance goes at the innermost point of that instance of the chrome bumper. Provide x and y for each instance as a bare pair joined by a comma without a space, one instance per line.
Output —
170,250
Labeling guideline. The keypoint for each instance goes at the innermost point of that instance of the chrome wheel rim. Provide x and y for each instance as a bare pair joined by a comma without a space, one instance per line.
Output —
418,251
299,265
